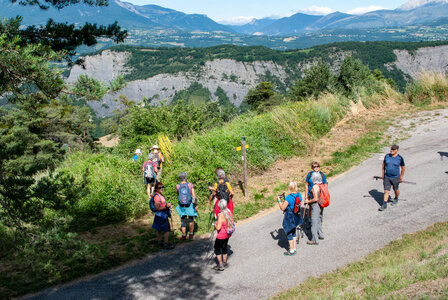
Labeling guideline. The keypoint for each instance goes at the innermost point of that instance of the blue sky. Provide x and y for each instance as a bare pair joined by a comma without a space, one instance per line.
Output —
238,11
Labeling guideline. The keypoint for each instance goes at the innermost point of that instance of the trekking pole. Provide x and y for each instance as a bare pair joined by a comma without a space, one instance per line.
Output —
404,181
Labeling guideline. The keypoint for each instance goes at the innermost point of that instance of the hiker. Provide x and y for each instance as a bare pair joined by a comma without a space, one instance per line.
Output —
137,155
225,219
187,208
156,156
392,173
291,216
150,176
314,179
161,222
223,191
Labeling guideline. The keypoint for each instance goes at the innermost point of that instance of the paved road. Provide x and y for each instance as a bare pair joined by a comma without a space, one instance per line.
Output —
353,227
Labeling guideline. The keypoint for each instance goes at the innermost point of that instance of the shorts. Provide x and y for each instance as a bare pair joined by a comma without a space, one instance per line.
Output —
391,182
221,246
183,220
291,234
149,181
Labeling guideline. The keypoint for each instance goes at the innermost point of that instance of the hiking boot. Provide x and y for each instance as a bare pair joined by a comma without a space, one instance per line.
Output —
190,237
183,238
290,253
383,206
225,265
395,201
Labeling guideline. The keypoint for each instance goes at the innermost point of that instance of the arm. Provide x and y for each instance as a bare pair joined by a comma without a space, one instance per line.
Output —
218,224
282,205
403,168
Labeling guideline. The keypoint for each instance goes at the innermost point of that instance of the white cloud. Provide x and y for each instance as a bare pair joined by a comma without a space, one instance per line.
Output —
317,10
240,20
363,10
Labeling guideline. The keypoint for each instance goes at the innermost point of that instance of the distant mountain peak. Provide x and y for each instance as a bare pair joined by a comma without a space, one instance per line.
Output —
411,4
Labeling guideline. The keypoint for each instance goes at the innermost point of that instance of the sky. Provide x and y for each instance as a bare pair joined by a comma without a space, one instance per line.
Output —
242,11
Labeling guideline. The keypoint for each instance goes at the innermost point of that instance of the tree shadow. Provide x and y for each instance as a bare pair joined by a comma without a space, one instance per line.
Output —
241,186
180,273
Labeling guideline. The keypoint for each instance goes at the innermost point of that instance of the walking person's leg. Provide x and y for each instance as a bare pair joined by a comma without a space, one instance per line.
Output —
320,232
315,220
191,233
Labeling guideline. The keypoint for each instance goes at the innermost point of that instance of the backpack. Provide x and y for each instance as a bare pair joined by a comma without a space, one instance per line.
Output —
184,194
148,170
231,230
154,157
223,192
152,206
324,196
296,210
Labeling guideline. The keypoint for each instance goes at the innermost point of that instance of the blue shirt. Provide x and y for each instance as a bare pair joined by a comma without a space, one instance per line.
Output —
291,198
311,184
392,165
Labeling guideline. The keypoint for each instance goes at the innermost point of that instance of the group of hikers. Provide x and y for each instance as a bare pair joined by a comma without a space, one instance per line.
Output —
221,194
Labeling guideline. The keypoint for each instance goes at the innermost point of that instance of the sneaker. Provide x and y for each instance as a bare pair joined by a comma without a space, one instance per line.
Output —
225,265
321,238
395,201
383,207
218,268
183,238
290,253
190,237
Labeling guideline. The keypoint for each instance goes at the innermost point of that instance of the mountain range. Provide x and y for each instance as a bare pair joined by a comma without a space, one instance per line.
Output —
153,17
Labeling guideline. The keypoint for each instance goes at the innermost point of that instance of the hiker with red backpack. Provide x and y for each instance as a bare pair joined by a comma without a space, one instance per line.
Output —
187,208
291,216
315,185
222,191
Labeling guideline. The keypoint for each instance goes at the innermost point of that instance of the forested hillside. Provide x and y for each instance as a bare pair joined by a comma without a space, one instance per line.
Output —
162,74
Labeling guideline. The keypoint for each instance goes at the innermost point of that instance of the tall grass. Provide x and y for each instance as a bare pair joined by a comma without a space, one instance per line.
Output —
430,88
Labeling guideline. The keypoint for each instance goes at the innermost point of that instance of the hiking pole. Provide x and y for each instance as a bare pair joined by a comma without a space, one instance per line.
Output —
404,181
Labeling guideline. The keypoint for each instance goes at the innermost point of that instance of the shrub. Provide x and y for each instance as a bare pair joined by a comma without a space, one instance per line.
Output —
429,88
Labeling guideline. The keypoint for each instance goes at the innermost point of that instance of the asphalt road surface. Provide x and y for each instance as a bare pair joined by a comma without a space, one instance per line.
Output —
353,227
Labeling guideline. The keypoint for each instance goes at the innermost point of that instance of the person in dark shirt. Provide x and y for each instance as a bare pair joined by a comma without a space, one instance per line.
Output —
392,173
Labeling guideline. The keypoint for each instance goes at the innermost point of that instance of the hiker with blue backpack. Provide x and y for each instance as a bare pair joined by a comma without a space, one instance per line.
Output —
162,210
187,208
291,216
315,181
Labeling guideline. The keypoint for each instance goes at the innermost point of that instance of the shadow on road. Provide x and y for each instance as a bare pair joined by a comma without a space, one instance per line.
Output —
280,236
179,273
377,195
442,154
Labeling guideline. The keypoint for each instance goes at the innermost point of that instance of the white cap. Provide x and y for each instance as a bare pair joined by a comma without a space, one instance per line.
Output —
138,151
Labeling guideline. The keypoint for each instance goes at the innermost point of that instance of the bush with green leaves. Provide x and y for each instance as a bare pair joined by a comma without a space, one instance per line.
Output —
115,190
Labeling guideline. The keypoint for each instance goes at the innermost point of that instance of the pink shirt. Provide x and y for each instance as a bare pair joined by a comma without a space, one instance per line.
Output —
161,199
222,233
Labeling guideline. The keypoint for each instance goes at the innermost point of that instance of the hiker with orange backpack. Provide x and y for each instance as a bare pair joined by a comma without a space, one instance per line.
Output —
222,191
315,182
291,216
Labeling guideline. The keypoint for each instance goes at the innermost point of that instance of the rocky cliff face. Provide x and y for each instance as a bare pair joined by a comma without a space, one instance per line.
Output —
234,77
433,59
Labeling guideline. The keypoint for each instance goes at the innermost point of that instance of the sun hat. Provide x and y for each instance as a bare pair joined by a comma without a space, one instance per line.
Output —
155,147
138,151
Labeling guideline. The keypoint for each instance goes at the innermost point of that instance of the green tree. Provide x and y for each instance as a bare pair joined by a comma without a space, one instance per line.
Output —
318,79
353,73
260,95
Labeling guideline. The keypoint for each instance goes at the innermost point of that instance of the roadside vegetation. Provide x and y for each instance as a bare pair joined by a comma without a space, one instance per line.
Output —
413,267
73,189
